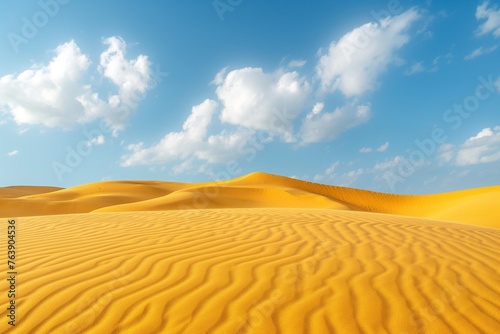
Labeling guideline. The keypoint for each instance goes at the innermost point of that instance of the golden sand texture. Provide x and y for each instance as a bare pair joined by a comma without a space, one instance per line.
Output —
257,254
264,270
257,190
19,191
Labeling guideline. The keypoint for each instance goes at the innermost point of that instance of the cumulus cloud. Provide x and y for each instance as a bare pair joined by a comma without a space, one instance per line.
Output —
250,102
479,52
353,63
322,126
175,145
48,94
59,94
492,17
132,77
191,143
262,101
481,148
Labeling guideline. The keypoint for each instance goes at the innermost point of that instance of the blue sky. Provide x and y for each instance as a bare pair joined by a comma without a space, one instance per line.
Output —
393,96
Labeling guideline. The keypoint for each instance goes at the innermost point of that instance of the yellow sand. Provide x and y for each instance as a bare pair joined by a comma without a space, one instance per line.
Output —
257,254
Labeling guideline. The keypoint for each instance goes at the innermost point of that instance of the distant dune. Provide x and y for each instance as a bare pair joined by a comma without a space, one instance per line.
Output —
256,190
257,254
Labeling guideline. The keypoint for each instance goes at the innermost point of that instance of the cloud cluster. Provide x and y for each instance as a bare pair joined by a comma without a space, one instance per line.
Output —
250,101
250,106
193,142
481,148
257,100
492,17
59,94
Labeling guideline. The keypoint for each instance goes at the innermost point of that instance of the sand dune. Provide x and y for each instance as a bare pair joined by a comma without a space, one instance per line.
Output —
256,254
256,271
19,191
256,190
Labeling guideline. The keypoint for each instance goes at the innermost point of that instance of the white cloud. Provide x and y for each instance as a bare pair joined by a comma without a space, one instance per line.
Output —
97,141
365,150
328,174
175,145
389,164
352,176
191,143
251,102
318,177
225,146
317,127
383,147
48,94
297,63
492,17
483,133
482,148
132,77
183,167
318,107
59,94
219,77
330,171
262,101
416,68
479,52
353,64
13,153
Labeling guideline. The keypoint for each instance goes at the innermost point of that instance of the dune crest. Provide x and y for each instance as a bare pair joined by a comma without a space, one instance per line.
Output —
259,254
255,190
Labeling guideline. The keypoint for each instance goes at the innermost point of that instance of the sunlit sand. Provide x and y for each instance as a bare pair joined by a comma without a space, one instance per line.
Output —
256,254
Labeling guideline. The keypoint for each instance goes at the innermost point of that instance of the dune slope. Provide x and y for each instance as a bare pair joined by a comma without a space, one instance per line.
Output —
255,270
255,190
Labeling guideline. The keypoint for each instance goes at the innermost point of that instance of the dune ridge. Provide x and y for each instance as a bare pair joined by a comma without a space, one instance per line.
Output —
473,206
258,254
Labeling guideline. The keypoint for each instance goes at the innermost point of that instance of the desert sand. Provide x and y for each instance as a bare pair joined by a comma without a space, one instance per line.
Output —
257,254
